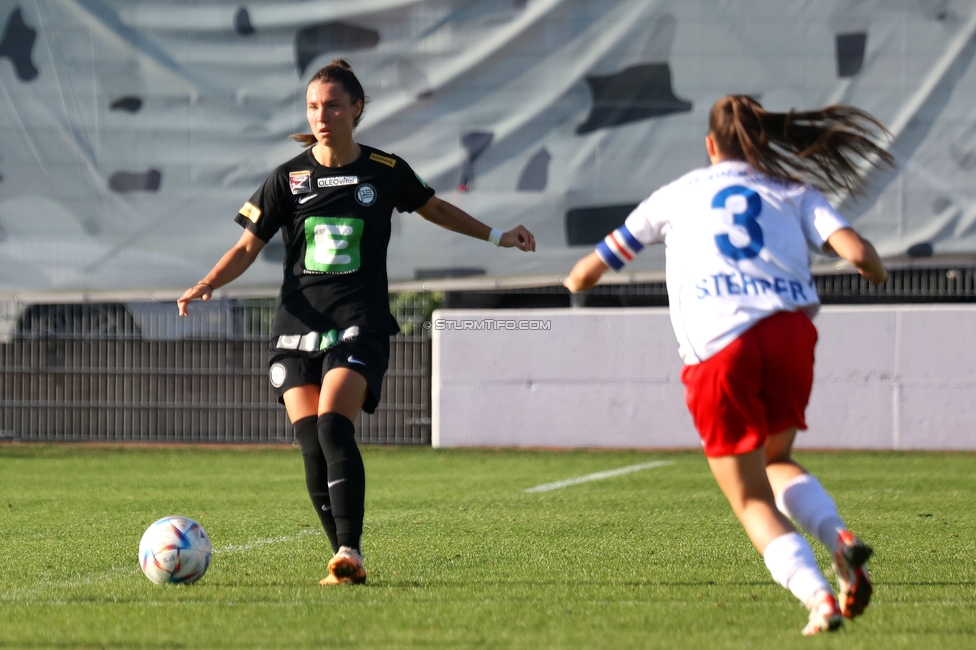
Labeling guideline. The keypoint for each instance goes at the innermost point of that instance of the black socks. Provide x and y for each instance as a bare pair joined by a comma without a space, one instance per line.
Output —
316,474
347,477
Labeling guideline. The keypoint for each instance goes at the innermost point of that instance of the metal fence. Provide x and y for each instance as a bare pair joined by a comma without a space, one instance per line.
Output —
907,285
137,372
935,284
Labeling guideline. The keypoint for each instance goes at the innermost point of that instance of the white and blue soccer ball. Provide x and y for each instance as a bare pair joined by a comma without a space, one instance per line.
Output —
175,550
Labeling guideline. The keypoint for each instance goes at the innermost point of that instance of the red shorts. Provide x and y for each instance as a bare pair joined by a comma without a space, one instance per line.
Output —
756,386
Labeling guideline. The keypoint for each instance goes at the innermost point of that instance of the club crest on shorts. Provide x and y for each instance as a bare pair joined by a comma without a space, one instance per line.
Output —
277,374
366,194
300,182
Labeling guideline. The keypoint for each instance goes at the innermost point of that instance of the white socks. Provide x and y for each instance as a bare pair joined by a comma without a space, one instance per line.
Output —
792,564
806,502
788,557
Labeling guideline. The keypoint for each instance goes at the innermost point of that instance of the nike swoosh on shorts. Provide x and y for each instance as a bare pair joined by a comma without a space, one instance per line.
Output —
353,359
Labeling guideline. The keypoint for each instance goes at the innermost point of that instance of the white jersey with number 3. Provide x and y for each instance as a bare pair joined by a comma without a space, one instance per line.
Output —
737,250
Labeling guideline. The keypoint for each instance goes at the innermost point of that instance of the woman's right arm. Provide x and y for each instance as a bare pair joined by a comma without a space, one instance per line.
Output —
859,252
231,265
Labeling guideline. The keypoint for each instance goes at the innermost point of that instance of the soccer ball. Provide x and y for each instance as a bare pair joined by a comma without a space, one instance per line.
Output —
175,550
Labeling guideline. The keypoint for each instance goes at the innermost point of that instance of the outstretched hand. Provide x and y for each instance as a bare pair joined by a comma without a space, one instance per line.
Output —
518,237
197,292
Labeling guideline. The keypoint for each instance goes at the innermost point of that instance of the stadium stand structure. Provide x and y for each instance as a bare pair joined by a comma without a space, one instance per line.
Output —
557,114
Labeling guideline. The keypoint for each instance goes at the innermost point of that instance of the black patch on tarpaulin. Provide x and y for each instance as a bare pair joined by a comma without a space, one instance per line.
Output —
130,104
965,159
449,272
920,250
588,226
636,93
413,80
850,53
535,175
313,41
123,182
242,22
475,143
941,204
17,45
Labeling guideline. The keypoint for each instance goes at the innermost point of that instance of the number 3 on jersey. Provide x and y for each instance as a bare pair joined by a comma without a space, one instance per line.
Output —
332,244
745,218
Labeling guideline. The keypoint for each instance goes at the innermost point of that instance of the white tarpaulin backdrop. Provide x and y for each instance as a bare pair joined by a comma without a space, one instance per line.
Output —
131,131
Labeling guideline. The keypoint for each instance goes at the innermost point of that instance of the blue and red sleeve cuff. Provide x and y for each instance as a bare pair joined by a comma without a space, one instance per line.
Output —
618,248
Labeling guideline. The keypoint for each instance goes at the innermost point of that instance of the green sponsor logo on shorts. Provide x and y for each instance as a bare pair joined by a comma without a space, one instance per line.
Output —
329,339
332,244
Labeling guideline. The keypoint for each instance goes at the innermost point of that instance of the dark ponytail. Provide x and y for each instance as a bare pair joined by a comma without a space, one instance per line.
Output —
823,148
340,72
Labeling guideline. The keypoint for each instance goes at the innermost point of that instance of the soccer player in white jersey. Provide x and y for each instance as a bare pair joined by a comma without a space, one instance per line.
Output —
741,297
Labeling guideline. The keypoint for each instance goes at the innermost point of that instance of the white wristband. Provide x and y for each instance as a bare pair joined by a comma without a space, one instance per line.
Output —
495,237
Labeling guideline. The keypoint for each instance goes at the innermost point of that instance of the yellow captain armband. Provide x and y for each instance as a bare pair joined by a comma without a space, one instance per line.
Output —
251,211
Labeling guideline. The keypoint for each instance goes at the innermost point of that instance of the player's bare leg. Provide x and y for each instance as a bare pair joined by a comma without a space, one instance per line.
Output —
742,478
343,391
780,467
801,497
301,401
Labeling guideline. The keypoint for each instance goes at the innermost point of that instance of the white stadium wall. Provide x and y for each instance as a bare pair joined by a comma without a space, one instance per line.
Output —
891,377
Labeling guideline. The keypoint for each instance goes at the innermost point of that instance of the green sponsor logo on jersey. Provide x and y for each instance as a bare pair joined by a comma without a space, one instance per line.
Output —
332,244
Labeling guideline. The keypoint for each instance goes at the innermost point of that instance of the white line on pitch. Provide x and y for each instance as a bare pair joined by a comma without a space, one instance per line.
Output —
233,548
599,476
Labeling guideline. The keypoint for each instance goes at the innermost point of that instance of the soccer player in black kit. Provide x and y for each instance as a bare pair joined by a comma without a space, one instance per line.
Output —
330,338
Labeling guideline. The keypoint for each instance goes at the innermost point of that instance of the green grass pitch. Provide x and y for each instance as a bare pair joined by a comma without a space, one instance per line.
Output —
459,555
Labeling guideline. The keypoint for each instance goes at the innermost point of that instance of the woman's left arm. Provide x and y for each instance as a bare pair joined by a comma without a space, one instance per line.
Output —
451,217
586,273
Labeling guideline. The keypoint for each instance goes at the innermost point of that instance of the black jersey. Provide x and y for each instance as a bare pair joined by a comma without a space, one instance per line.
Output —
335,223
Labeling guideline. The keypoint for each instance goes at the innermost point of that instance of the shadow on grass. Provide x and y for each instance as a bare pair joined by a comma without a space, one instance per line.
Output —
927,583
569,583
75,644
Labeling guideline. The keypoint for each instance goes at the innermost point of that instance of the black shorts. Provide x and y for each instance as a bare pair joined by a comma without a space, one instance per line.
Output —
368,354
